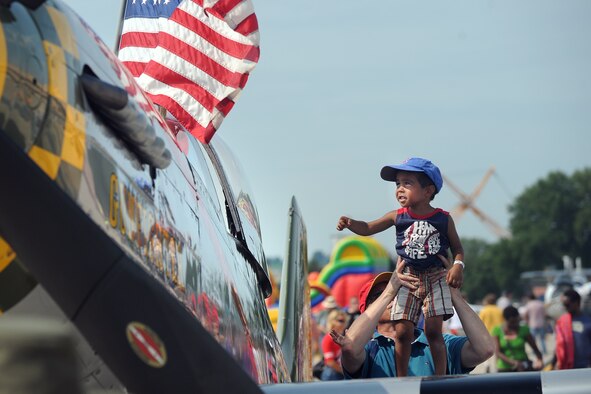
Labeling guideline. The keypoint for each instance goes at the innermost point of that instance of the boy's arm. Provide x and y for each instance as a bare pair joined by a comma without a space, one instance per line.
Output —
455,275
367,228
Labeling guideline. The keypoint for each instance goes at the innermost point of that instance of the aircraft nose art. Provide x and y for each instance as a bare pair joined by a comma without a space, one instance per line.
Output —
40,111
23,77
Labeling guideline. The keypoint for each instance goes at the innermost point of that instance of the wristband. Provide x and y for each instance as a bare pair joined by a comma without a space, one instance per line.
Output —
459,262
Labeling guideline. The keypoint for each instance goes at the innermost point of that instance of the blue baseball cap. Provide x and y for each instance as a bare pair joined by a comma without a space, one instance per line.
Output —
414,164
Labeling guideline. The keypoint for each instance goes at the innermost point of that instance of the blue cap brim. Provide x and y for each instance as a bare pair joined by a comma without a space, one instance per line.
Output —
388,173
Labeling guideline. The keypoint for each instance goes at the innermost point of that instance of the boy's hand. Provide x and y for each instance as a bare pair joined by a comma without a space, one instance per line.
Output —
455,276
344,222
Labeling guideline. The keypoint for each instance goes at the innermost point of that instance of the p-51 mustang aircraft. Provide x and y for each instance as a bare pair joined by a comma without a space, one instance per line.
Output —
117,220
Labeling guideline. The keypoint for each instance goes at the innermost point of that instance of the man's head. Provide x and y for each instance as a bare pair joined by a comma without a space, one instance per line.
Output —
372,290
427,173
329,303
353,304
571,300
490,299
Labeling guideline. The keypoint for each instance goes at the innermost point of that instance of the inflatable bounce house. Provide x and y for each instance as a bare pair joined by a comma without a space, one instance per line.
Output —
273,301
354,261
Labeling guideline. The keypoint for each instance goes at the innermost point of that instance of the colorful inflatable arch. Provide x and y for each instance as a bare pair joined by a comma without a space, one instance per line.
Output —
354,261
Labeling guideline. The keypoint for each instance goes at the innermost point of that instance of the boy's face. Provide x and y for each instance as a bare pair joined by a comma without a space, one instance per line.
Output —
409,191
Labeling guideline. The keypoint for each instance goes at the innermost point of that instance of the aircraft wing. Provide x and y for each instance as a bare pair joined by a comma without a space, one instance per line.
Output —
574,381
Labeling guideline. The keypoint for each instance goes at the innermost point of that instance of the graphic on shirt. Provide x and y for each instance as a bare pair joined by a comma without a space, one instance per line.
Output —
421,240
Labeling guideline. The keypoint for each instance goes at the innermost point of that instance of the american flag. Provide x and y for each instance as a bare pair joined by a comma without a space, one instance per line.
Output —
192,57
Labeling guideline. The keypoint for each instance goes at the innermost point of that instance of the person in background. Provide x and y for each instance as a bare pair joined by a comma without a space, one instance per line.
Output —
352,310
424,234
505,300
329,304
370,354
337,321
573,334
492,316
534,315
511,337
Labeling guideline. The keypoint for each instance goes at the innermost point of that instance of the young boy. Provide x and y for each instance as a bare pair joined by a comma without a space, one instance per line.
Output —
423,235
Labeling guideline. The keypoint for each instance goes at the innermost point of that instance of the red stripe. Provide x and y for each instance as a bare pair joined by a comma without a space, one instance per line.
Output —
135,68
232,48
249,25
148,338
225,106
253,55
200,60
222,7
139,39
171,78
144,349
145,345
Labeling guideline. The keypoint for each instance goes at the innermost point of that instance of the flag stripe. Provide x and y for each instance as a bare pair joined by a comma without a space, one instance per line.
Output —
248,25
223,7
143,40
136,68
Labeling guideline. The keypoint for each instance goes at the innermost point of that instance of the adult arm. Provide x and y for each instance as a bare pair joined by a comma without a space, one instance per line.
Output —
361,331
480,346
360,227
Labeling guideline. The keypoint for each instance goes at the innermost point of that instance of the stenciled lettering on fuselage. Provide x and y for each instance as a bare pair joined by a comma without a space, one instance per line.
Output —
156,244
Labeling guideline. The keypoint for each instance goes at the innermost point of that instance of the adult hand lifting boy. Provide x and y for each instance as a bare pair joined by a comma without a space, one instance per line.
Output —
423,236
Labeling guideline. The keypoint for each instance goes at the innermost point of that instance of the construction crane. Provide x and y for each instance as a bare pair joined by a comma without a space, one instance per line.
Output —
467,203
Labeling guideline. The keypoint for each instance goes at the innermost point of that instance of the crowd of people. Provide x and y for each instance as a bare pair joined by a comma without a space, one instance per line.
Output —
510,339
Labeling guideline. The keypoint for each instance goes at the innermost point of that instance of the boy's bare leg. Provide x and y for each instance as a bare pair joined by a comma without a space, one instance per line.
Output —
433,331
404,337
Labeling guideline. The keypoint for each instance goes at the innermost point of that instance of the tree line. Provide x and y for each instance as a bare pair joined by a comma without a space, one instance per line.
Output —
549,219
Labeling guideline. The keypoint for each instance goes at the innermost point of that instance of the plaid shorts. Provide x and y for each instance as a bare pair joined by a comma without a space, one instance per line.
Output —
432,294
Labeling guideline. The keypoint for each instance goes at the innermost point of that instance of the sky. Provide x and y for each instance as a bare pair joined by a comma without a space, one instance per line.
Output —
343,88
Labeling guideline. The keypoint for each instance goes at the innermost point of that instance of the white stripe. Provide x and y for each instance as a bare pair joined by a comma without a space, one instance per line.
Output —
239,13
571,381
142,25
220,26
151,350
135,54
217,119
408,385
235,94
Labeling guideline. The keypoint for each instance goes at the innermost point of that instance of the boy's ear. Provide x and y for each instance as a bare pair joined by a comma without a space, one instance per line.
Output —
432,190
